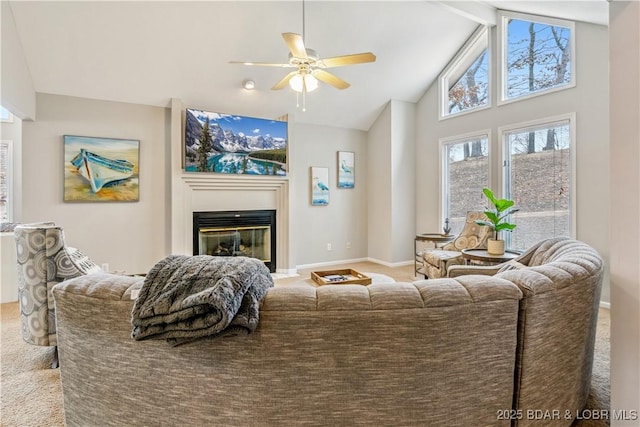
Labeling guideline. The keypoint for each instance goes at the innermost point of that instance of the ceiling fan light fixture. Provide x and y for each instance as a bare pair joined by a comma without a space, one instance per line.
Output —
248,84
296,82
303,83
310,83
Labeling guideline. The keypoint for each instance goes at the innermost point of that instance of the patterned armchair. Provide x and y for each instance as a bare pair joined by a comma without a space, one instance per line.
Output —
437,261
44,261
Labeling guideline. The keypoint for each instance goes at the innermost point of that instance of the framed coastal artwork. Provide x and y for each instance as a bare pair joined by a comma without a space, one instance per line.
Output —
319,186
346,169
101,169
232,144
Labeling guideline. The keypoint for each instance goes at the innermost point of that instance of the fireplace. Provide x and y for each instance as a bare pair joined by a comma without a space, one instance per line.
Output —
236,233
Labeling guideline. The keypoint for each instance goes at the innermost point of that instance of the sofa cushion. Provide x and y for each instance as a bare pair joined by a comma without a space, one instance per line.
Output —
557,322
511,265
435,257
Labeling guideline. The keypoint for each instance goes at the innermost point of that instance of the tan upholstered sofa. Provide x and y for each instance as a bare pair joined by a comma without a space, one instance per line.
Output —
443,352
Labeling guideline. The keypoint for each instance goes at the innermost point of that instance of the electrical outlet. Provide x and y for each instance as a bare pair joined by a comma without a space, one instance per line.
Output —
105,267
329,247
348,245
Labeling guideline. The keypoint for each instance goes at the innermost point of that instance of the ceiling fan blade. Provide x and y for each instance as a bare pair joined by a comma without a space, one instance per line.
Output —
330,79
282,83
261,64
356,58
295,44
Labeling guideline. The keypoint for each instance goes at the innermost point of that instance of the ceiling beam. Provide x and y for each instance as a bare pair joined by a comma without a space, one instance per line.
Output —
476,11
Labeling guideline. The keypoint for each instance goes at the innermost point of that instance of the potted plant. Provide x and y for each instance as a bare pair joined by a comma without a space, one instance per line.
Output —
502,209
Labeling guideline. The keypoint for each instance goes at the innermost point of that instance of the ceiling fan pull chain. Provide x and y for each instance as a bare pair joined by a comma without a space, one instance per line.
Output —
304,99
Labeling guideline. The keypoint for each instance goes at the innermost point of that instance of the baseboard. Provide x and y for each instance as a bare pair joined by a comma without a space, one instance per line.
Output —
604,304
287,271
325,264
390,264
283,275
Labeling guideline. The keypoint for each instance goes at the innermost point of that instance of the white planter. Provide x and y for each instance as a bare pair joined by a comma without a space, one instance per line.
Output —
495,247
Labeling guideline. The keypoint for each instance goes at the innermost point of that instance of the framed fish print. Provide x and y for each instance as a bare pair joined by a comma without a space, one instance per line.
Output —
101,169
319,186
346,169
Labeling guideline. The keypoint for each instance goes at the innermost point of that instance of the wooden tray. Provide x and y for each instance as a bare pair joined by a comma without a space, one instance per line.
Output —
345,276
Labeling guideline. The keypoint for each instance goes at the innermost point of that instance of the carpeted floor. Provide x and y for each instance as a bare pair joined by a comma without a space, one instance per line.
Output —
30,392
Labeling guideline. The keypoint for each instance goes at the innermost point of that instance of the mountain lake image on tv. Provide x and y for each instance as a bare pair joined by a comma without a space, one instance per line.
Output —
225,143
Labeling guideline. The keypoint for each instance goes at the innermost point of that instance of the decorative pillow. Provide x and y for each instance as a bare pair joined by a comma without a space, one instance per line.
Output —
6,227
511,265
82,262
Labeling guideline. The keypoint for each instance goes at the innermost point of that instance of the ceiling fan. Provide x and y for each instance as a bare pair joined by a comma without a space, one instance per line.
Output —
309,67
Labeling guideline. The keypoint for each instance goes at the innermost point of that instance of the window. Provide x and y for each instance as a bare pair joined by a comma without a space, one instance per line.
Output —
5,181
465,164
537,55
6,159
538,177
5,115
464,84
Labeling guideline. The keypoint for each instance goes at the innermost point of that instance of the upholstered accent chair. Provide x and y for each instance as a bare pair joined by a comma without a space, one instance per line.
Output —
473,236
44,261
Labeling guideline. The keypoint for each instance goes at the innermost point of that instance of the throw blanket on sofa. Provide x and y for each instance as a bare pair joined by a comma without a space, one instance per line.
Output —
184,298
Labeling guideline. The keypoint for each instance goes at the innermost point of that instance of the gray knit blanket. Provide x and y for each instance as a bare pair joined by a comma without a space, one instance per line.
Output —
184,298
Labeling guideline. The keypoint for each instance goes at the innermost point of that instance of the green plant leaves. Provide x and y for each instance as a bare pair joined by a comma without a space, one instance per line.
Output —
505,226
497,215
500,204
493,217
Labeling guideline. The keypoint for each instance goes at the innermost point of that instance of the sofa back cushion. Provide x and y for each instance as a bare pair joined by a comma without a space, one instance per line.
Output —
438,352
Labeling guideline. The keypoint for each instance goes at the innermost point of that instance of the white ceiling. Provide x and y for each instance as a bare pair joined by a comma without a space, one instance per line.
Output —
148,52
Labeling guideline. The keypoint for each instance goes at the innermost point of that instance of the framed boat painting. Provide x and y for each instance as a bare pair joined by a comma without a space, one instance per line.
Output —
319,186
101,169
346,169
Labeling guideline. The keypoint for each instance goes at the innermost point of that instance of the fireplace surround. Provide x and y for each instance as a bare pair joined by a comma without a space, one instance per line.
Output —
249,233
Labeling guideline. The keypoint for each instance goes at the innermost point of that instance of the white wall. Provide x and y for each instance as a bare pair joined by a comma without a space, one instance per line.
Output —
589,100
127,236
403,194
17,90
391,201
624,56
133,236
345,218
379,193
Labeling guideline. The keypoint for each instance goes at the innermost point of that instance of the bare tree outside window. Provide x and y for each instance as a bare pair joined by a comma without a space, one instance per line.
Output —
471,89
538,178
538,57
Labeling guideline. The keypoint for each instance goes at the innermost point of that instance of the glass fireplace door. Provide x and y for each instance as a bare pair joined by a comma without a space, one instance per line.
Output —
250,241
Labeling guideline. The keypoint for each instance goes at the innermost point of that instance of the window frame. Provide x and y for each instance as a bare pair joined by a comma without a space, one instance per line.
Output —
10,179
541,123
482,35
503,17
443,175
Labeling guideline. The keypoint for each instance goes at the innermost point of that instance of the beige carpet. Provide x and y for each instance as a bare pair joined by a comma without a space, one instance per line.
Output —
30,393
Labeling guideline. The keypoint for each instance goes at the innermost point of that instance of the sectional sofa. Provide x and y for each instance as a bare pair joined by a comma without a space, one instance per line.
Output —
475,350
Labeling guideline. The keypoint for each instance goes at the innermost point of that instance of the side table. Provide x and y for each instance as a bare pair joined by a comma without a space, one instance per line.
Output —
435,238
481,256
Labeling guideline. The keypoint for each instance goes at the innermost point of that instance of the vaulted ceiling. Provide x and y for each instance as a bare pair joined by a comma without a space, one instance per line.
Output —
148,52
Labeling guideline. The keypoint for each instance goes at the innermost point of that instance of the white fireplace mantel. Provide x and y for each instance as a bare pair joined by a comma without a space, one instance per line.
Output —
192,192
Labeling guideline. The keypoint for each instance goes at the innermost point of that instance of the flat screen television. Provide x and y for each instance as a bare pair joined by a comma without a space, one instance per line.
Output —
231,144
